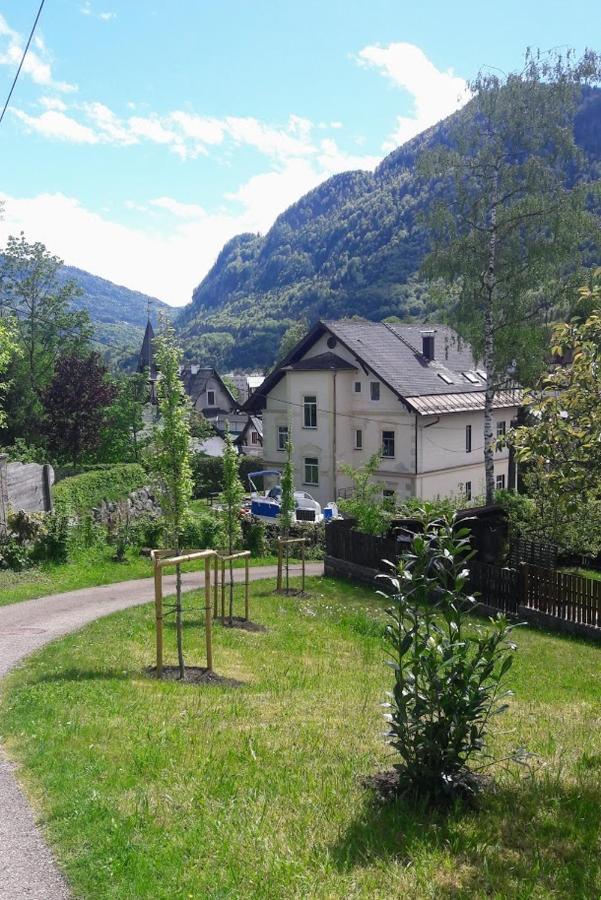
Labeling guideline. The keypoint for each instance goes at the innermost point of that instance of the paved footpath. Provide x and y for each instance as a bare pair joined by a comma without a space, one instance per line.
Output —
27,869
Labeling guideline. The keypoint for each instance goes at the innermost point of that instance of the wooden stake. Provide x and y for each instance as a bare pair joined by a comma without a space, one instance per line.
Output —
280,559
246,577
223,591
208,622
216,589
158,608
303,567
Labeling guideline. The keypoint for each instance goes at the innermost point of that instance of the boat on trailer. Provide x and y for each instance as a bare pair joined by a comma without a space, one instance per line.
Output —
267,505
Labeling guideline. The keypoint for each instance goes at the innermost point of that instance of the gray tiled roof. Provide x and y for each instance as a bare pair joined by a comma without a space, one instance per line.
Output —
393,353
322,361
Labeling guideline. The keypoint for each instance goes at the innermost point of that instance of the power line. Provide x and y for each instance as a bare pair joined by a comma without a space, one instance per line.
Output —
18,72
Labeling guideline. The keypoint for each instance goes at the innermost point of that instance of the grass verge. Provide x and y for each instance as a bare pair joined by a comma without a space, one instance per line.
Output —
88,568
171,791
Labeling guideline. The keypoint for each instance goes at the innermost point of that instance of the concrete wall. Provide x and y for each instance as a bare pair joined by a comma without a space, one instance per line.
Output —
25,486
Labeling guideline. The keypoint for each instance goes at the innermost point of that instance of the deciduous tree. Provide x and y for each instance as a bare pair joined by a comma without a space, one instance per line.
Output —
514,219
231,497
170,457
76,405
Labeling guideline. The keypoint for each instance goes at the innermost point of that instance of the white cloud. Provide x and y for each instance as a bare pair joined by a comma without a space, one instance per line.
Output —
57,125
86,10
36,65
108,124
53,103
181,210
436,94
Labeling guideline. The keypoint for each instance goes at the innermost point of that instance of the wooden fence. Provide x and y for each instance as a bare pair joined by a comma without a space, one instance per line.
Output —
366,550
495,587
523,550
562,595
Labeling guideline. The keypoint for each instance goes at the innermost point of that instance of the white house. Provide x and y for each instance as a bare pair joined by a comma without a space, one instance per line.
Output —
352,387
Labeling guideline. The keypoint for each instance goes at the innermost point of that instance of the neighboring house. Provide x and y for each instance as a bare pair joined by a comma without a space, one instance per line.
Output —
250,439
208,393
211,446
413,392
246,384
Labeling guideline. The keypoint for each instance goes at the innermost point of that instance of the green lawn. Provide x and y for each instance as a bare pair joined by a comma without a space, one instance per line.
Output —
87,569
161,790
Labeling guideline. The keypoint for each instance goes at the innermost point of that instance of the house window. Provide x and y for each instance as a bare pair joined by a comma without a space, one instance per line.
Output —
359,439
501,429
500,482
310,412
254,437
388,444
282,436
374,390
468,438
311,470
357,387
210,398
468,490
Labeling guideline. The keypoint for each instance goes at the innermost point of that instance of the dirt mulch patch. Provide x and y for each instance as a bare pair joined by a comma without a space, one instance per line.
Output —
470,786
194,675
239,622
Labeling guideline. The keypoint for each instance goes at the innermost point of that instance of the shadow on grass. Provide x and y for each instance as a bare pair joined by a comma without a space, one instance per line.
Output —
537,836
73,674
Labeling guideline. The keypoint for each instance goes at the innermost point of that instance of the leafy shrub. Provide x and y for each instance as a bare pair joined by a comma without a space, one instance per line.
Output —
366,505
14,554
53,543
448,671
203,530
253,537
82,493
207,473
25,527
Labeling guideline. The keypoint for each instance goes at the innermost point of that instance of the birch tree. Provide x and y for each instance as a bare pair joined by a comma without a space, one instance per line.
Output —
512,222
170,457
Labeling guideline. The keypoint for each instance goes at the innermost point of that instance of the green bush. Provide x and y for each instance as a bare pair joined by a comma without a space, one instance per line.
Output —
253,537
449,672
207,473
14,554
53,544
82,493
203,531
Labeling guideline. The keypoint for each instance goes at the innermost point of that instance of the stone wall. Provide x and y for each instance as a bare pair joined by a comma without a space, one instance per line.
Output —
140,504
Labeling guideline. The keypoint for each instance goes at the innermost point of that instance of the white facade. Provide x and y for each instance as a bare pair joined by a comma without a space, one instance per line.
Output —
429,454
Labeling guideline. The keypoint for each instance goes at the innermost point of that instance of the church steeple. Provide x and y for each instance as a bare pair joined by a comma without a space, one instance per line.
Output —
146,361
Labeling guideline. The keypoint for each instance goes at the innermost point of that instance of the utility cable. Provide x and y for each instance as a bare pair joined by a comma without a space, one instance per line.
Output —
18,72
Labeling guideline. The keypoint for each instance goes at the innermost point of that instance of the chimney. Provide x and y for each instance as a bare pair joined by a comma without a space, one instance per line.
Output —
194,370
428,344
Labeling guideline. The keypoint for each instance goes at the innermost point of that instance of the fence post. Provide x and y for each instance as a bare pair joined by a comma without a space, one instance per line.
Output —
523,585
279,579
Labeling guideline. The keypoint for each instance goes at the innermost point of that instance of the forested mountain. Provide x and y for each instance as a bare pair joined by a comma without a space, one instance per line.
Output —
118,314
352,246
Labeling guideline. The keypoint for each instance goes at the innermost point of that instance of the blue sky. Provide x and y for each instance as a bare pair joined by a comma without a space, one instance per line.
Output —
144,133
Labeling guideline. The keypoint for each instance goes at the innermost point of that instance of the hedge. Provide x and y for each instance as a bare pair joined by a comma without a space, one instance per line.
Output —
207,472
81,493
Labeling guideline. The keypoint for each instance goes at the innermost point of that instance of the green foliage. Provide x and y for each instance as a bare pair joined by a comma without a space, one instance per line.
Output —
352,246
14,554
47,327
9,349
449,673
366,503
207,473
254,537
560,447
121,440
514,218
293,334
287,504
81,493
203,530
232,494
170,457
